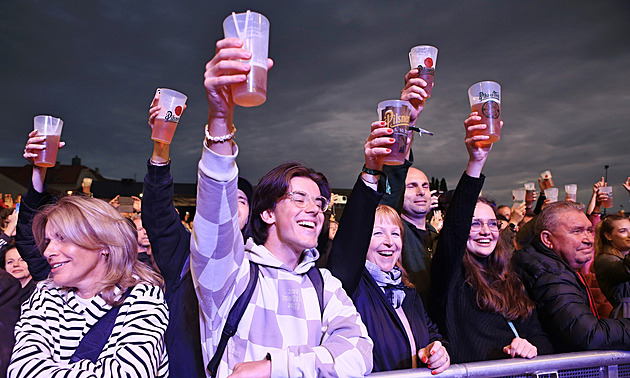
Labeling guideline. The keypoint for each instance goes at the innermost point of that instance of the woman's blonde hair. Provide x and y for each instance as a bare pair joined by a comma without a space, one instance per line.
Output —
93,224
387,214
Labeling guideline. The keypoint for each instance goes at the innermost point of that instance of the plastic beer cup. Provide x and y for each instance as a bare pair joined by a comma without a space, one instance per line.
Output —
552,194
172,106
485,99
571,191
609,202
518,195
396,114
50,127
253,29
546,178
424,58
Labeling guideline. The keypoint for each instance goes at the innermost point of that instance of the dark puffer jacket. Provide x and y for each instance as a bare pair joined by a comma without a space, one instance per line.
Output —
562,302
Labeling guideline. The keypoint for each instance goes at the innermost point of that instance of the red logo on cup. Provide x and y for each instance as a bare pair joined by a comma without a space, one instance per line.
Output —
178,111
428,62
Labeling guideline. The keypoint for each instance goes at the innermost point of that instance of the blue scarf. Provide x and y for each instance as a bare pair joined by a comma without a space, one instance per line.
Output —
390,282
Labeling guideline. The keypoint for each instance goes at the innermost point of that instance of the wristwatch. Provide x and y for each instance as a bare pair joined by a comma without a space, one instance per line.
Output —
513,227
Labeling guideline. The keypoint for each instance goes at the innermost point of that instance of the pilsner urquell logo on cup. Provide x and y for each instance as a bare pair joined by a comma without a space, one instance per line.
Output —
424,58
396,115
172,106
485,99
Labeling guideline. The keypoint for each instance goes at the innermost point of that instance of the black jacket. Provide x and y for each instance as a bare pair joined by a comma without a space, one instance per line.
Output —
474,334
347,262
170,245
562,302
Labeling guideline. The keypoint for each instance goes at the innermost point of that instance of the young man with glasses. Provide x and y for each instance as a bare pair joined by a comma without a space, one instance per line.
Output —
283,331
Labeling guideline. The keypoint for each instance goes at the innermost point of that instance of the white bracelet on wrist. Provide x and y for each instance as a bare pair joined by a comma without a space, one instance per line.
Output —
222,138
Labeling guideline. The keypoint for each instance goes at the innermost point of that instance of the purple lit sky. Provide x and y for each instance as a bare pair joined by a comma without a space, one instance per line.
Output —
563,66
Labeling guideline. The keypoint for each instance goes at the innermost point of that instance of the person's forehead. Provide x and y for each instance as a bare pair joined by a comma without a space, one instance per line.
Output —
416,175
241,194
11,253
483,211
573,219
304,184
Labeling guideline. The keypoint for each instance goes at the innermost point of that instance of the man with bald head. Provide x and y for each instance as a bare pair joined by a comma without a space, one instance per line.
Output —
549,268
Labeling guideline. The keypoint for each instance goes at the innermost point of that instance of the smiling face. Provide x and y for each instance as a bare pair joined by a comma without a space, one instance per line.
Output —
385,245
483,241
620,236
74,266
293,229
16,266
417,202
571,239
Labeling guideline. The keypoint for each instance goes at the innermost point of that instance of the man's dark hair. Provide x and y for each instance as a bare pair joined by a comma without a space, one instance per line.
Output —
273,186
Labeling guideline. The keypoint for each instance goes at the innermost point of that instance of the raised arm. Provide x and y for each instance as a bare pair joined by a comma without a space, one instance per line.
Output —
347,256
170,240
31,202
454,235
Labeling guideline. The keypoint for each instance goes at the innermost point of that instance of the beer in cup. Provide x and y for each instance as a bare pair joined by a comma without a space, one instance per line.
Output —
253,29
609,202
518,195
552,194
571,191
546,178
49,127
424,58
530,189
485,99
396,114
172,106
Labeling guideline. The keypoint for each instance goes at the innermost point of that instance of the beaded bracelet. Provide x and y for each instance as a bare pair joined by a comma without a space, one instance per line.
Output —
222,138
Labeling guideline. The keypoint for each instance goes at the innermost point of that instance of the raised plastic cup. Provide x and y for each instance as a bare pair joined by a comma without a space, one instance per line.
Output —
424,58
518,195
50,127
485,99
609,202
253,29
571,191
546,178
552,194
172,103
396,114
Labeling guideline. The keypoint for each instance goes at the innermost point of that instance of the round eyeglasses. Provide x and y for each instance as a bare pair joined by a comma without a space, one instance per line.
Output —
477,224
302,199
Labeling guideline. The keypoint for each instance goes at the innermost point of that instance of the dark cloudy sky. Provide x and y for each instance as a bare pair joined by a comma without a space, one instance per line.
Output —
563,66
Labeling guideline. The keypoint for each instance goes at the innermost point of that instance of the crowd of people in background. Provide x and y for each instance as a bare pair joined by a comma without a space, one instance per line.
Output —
405,279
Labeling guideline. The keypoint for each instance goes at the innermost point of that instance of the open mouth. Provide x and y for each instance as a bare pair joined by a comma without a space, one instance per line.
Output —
385,253
58,265
483,242
307,224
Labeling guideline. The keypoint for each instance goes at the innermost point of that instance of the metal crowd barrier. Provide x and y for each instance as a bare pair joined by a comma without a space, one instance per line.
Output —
595,364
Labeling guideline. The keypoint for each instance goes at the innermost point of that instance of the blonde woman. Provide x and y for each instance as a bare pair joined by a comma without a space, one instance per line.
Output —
94,276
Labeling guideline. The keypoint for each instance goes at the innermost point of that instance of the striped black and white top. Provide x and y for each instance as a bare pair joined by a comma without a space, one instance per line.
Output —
53,322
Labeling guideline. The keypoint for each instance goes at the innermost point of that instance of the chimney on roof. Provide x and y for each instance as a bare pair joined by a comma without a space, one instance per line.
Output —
76,160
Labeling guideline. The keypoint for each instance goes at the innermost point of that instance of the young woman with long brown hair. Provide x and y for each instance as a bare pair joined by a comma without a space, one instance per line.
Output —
479,303
612,263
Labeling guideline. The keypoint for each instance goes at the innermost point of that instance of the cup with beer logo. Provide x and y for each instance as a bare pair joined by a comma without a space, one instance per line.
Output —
49,127
252,29
396,115
172,106
485,99
424,58
546,178
571,191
